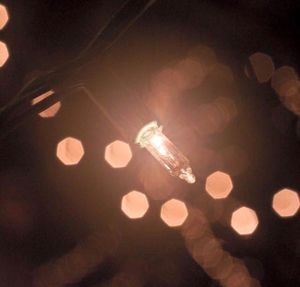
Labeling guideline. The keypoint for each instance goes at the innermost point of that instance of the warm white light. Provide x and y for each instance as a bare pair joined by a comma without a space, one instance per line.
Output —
134,204
244,220
4,17
118,154
218,185
174,212
52,110
4,54
69,151
286,202
168,155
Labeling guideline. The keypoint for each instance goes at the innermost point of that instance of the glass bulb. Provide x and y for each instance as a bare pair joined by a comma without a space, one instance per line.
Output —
152,138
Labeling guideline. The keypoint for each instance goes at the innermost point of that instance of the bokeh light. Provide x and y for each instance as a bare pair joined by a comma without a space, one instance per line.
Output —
282,76
16,215
174,212
134,204
162,187
219,185
118,154
4,54
244,221
287,85
51,111
290,96
262,66
79,262
227,108
286,202
222,75
205,55
70,151
4,17
190,73
208,252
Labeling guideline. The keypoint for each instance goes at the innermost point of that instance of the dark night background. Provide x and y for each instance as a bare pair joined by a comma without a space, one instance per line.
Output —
47,209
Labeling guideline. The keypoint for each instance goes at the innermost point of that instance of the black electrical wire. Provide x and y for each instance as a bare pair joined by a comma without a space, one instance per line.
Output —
129,12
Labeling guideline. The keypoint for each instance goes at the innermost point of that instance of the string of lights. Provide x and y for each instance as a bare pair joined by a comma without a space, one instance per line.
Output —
207,221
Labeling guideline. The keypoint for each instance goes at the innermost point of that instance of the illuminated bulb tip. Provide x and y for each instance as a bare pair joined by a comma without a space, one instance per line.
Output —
187,175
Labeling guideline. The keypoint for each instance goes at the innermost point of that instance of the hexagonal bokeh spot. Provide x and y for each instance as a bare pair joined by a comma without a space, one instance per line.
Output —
70,151
4,17
218,185
244,221
118,154
4,54
49,112
134,204
286,202
174,212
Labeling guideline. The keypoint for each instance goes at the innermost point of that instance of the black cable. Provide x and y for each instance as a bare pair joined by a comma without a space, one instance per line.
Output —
106,37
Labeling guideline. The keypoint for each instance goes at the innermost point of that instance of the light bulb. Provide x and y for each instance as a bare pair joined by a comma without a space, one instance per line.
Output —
152,138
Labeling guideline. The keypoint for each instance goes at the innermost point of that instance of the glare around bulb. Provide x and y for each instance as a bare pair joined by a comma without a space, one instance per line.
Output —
165,152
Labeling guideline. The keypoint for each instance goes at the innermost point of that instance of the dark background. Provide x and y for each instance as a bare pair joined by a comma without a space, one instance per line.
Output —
47,208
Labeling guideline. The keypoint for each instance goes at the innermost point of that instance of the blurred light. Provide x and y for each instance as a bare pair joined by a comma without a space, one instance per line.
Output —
4,17
162,187
118,154
164,87
190,73
263,66
204,55
207,119
174,212
4,54
212,253
16,215
218,185
195,226
244,221
79,262
222,74
290,96
165,152
223,267
70,151
282,76
238,279
286,202
227,108
134,204
51,111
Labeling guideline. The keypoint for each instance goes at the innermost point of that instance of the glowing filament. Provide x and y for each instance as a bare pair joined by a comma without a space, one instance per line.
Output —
168,155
